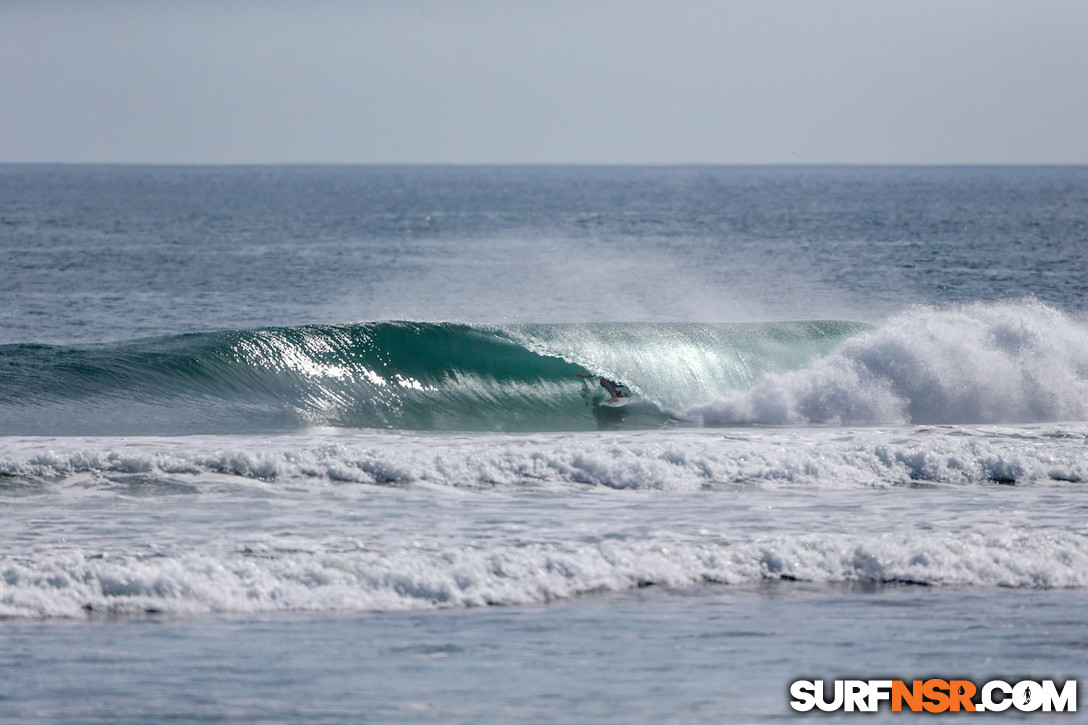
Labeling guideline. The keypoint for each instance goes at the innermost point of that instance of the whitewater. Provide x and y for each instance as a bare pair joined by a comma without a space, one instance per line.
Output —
323,431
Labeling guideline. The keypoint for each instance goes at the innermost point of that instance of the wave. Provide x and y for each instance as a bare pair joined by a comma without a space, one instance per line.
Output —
688,460
1008,362
268,579
393,375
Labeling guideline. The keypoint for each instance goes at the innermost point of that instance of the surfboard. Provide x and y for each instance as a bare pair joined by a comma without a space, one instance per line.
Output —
616,403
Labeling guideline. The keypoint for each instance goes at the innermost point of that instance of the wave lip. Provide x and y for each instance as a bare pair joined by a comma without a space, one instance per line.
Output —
1010,362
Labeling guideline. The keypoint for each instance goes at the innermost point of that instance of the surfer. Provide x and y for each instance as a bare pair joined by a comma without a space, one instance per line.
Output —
611,386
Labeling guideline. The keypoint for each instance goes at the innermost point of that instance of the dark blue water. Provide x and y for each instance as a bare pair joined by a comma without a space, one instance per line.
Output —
109,253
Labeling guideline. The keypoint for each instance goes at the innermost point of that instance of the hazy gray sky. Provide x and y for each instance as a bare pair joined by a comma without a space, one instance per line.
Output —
770,81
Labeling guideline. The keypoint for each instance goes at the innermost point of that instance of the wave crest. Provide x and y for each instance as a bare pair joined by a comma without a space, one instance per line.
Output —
1010,362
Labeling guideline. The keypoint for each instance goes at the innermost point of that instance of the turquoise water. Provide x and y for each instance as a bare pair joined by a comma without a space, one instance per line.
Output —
395,375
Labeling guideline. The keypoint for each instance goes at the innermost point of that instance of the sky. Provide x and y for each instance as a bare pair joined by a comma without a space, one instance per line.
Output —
539,81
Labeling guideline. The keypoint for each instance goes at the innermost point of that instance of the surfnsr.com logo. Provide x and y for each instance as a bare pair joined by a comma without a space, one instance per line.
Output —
934,695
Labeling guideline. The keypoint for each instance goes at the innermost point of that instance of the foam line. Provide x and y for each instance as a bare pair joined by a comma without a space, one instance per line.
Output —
71,584
664,460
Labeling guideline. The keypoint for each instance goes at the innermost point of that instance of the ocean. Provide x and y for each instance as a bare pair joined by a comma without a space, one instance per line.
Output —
292,444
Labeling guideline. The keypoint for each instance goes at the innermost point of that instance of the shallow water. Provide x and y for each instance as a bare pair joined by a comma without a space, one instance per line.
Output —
711,654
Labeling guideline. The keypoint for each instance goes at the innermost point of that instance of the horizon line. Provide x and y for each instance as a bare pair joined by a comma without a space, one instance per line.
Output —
585,164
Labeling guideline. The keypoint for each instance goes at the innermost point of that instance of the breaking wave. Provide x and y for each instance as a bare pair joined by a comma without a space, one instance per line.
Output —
392,375
1012,362
266,579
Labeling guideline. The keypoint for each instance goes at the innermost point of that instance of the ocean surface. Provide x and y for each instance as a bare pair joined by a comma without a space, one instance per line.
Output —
310,445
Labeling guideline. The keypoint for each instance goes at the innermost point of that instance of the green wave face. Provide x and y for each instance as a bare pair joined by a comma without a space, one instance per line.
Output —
398,375
679,365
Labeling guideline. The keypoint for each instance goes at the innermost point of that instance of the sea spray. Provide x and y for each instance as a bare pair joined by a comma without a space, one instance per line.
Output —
980,363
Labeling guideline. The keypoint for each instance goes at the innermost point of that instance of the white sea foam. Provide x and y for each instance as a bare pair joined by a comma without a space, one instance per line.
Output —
69,584
979,363
331,521
663,460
